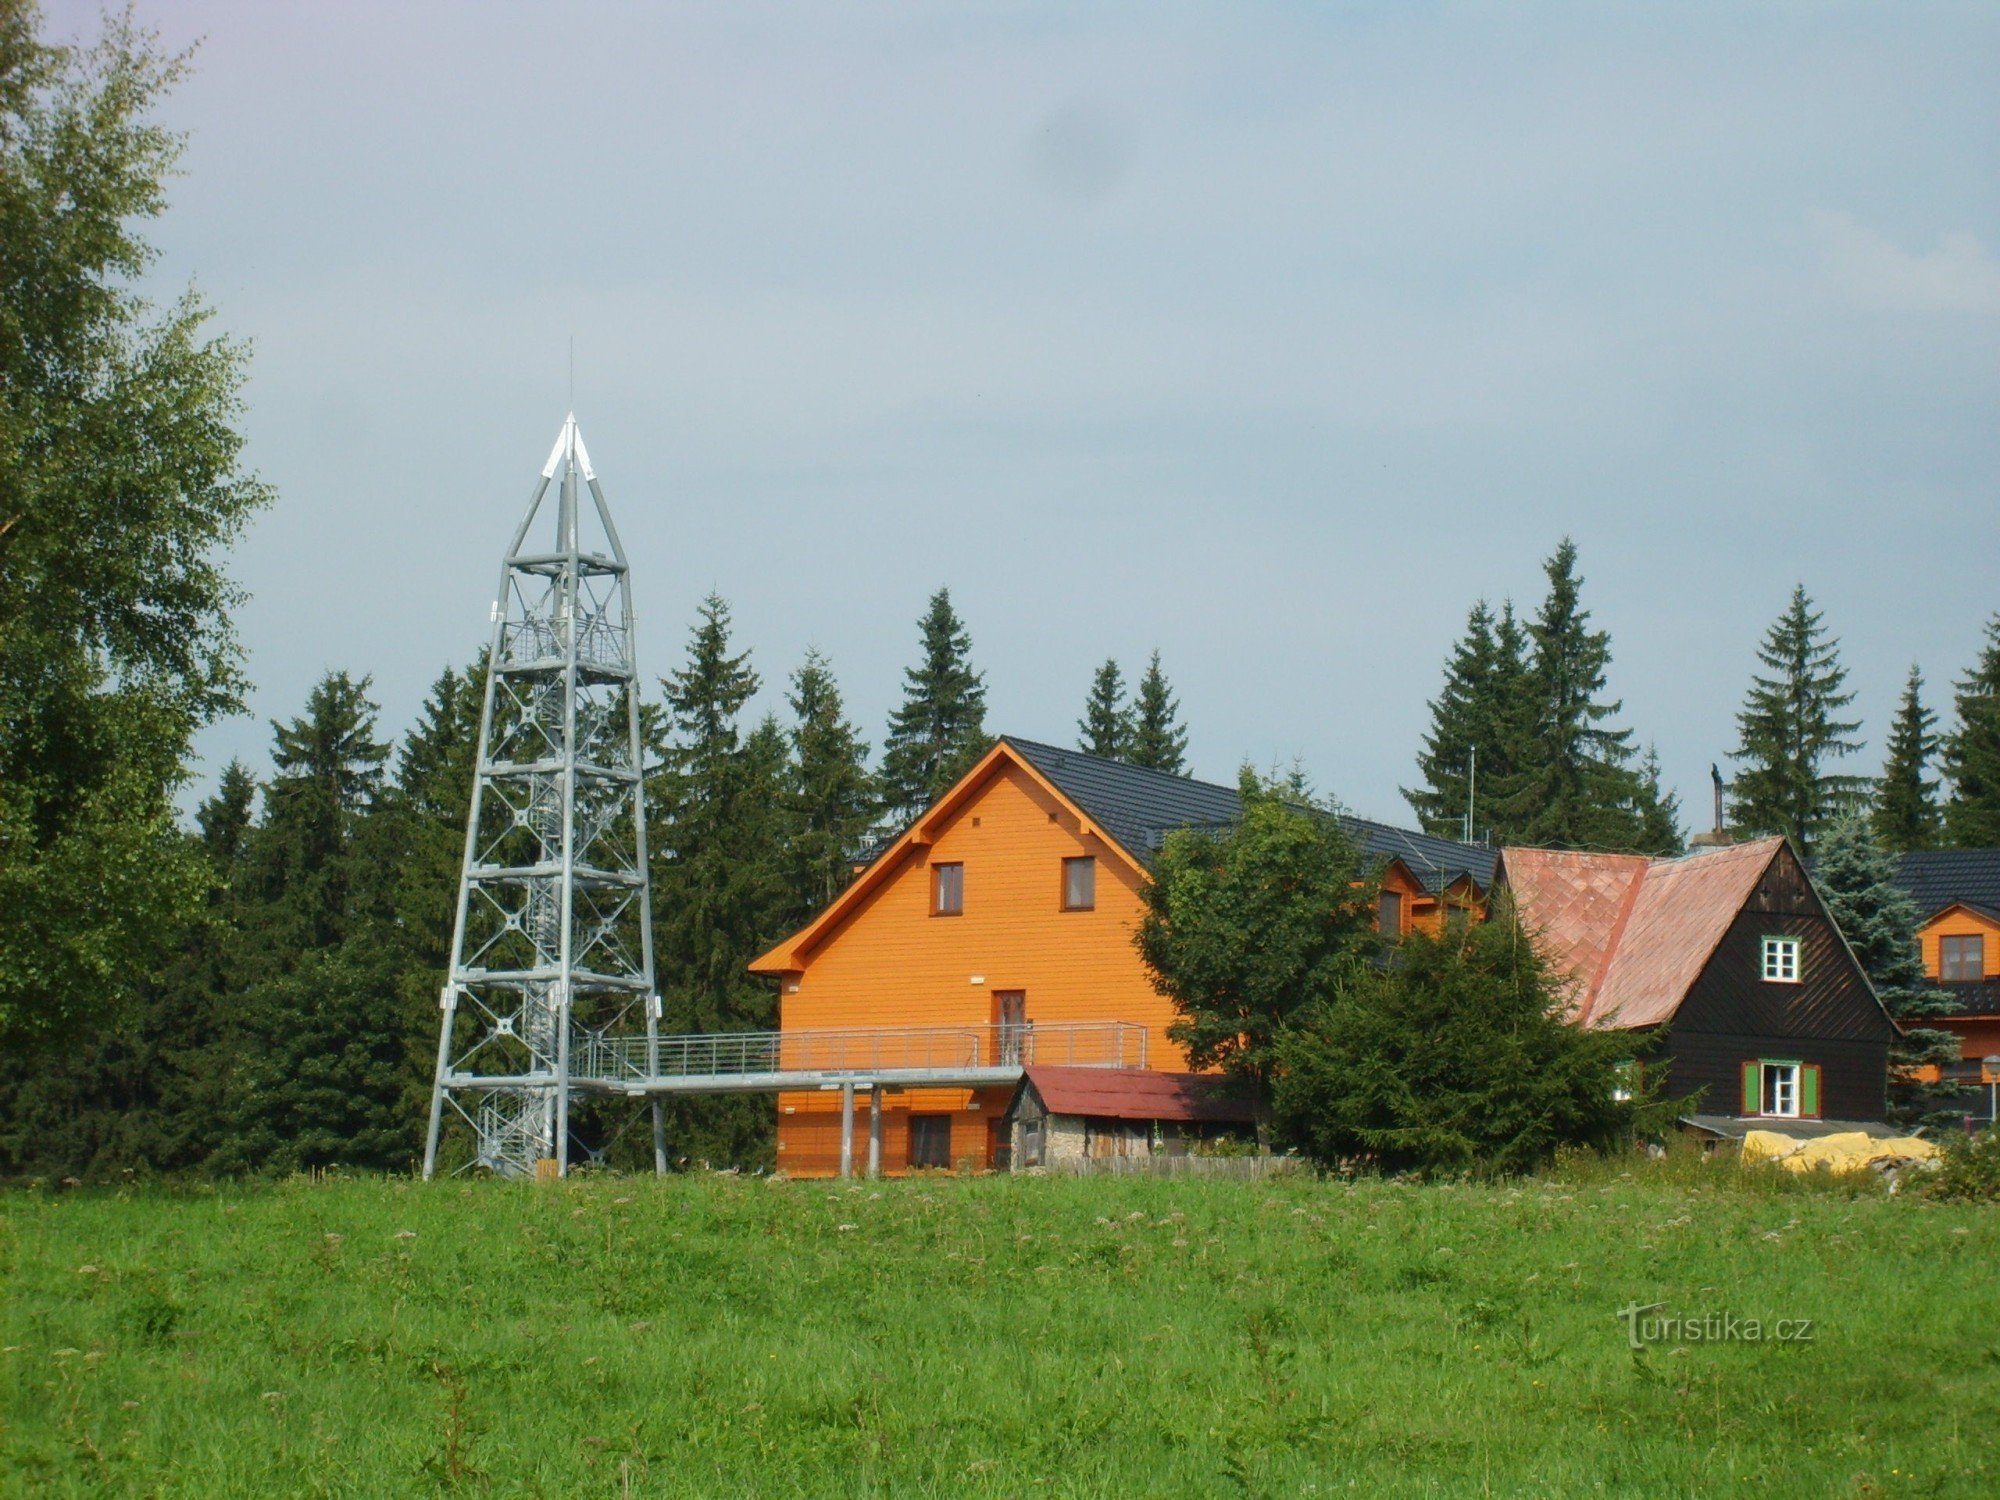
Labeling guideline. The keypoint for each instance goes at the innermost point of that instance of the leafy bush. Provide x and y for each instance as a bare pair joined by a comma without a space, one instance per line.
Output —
1969,1172
1454,1056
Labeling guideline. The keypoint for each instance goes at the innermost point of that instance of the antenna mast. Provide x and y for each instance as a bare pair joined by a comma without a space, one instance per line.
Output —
1471,786
552,949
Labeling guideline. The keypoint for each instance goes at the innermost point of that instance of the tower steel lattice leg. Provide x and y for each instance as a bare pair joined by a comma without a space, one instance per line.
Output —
549,1010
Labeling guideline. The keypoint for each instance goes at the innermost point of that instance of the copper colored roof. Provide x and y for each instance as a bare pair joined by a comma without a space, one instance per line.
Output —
1136,1094
1632,933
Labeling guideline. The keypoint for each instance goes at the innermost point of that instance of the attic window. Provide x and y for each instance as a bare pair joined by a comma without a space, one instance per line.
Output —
947,890
1962,957
1781,960
1079,892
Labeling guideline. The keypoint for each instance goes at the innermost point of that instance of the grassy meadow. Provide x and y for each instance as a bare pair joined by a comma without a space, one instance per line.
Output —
995,1336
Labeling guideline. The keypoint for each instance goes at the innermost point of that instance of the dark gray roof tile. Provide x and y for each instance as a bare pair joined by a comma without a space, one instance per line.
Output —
1139,808
1937,877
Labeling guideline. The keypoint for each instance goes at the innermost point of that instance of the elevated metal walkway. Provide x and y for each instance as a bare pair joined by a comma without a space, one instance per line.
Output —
756,1062
877,1060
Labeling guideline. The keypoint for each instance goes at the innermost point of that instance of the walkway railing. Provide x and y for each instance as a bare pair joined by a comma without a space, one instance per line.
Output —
862,1051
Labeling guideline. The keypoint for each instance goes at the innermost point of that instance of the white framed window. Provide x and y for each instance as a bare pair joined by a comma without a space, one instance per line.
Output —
1781,960
1779,1094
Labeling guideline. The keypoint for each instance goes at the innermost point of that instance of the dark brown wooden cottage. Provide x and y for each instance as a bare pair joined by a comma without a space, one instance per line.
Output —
1731,950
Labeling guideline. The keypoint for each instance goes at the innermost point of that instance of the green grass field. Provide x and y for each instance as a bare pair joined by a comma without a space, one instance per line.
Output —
723,1336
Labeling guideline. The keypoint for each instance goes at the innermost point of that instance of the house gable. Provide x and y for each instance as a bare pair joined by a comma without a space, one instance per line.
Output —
886,959
916,847
1832,998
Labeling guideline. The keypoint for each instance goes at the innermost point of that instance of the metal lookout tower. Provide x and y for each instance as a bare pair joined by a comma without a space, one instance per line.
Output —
552,950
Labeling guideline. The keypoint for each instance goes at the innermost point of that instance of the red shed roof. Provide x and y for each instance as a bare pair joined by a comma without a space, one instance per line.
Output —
1632,933
1137,1094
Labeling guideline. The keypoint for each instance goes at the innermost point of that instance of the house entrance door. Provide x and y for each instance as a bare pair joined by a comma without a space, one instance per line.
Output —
1010,1020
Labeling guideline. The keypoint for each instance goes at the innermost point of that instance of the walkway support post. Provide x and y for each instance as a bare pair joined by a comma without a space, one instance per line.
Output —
847,1129
874,1131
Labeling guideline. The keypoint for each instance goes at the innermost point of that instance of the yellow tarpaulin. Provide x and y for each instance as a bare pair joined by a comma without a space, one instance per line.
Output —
1849,1151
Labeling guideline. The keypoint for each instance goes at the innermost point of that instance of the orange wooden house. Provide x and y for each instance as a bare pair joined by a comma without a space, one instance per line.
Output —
1958,891
1007,910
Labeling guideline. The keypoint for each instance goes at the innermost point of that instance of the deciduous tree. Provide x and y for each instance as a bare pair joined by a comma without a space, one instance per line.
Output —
120,488
1245,927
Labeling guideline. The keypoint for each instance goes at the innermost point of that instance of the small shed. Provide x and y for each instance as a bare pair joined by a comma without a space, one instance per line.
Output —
1069,1116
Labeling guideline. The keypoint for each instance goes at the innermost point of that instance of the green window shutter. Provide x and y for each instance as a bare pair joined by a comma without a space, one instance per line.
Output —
1751,1103
1809,1090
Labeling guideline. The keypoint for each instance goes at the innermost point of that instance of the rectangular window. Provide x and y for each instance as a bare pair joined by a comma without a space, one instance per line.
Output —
947,890
1080,884
1780,1089
930,1141
1962,958
1389,914
1781,960
1031,1142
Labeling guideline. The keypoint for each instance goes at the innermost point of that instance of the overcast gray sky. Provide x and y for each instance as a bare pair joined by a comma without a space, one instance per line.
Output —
1271,336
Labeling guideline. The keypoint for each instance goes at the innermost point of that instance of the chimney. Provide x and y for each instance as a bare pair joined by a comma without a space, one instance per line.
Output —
1718,836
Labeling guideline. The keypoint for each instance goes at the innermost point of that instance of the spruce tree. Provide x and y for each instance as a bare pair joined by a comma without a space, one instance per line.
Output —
327,771
720,892
940,729
1972,753
1658,809
419,830
1906,812
1106,726
1478,723
1573,786
1856,876
1790,733
315,1059
833,794
1158,742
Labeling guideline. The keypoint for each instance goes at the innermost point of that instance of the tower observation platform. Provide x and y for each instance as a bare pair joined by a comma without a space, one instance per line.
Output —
551,1004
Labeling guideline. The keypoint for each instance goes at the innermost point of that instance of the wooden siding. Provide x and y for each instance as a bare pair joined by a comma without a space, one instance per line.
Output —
809,1128
1733,1015
1853,1075
889,962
